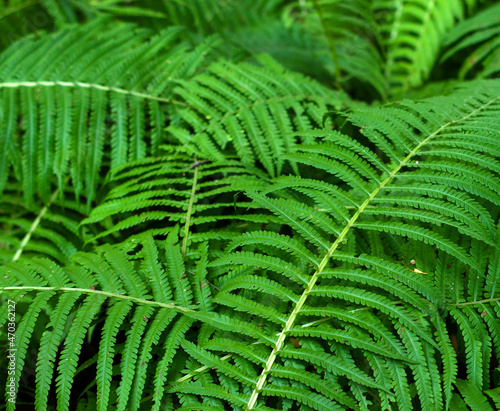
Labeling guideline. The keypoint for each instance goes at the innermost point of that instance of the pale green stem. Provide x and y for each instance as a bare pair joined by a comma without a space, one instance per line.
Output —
489,300
105,293
87,85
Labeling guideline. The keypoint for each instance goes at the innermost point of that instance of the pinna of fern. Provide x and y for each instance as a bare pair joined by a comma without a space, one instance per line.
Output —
414,33
322,312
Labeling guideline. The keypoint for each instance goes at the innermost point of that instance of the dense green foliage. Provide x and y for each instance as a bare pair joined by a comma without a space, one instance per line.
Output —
253,204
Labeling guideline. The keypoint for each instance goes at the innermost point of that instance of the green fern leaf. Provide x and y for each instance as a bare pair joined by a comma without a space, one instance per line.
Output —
472,395
116,316
481,29
22,337
161,321
72,347
48,348
130,353
171,344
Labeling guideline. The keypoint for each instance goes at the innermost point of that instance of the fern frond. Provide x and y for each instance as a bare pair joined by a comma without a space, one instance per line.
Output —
348,34
212,390
260,284
161,321
388,129
143,188
473,348
355,340
66,114
422,234
372,279
253,110
261,260
333,365
111,273
449,359
334,269
423,374
170,346
373,300
400,385
48,348
414,33
116,317
22,337
313,400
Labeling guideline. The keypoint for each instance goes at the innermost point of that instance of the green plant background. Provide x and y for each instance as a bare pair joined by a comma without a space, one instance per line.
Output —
249,204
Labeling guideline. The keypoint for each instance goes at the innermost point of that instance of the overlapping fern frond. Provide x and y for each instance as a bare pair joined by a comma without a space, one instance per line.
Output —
349,35
140,305
249,111
390,45
205,17
80,91
382,237
154,195
414,32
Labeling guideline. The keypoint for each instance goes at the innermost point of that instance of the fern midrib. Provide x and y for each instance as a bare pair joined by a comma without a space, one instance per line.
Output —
331,43
139,301
81,84
312,282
